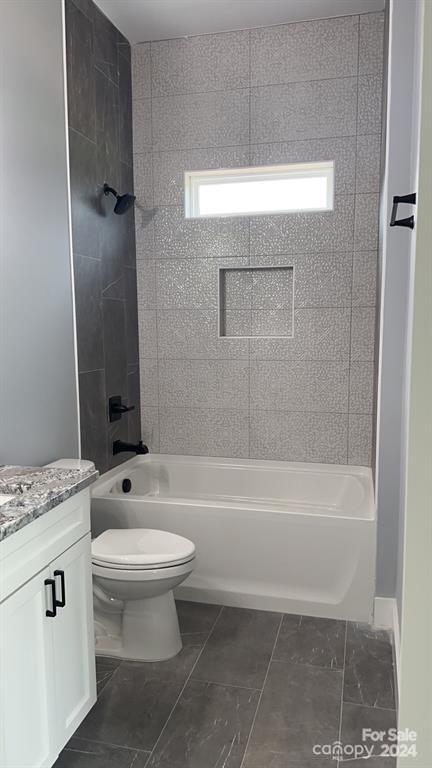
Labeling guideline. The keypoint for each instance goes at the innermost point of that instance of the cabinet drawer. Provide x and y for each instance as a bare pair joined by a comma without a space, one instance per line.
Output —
26,552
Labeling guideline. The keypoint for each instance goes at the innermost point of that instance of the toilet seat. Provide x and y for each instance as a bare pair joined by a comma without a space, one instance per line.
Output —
140,549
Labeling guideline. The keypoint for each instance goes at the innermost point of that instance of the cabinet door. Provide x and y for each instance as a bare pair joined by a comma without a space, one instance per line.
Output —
28,736
73,638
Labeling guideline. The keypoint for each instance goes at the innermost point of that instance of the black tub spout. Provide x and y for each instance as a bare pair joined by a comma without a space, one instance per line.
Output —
120,447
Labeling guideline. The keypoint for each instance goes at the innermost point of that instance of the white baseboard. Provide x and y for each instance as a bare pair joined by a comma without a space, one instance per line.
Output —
386,616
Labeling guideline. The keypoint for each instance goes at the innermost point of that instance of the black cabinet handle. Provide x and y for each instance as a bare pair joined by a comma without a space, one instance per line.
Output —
51,583
62,602
409,221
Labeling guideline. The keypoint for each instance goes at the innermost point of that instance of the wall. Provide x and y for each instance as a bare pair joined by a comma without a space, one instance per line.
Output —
400,178
298,92
38,394
100,144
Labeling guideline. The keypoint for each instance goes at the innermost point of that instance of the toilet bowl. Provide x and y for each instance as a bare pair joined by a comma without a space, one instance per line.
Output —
134,573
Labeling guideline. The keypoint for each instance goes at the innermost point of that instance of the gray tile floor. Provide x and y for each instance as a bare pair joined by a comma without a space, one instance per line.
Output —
250,689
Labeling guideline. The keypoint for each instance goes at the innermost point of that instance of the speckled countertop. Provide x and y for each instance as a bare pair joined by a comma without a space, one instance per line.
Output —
36,490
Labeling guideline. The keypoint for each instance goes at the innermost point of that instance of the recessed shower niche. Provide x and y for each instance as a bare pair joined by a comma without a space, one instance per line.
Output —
256,302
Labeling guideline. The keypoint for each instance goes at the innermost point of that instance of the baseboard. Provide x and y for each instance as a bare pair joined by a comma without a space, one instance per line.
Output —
386,616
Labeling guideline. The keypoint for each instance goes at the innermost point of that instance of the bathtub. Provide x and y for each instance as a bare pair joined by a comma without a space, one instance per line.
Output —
280,536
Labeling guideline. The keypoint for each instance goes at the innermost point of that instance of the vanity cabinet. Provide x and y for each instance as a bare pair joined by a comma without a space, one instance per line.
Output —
48,681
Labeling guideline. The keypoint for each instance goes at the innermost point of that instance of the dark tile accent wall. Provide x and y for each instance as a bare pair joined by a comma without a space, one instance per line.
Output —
100,146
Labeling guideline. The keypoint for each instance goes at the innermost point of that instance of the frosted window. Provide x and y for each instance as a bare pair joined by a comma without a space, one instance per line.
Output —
270,189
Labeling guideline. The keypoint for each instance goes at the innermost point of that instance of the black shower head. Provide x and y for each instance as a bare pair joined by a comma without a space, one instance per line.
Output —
124,202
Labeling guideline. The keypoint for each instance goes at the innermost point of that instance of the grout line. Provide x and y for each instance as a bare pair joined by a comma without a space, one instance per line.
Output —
262,690
225,685
261,86
259,28
343,682
353,243
184,686
108,744
251,144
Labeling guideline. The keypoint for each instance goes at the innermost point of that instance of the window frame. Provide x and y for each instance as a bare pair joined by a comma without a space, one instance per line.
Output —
193,180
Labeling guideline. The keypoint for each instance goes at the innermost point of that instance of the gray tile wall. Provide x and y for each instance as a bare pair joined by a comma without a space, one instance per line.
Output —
100,144
297,92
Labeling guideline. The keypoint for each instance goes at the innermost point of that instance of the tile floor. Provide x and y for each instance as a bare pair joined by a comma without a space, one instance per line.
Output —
250,689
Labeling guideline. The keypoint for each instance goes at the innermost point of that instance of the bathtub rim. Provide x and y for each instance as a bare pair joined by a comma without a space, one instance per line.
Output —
100,490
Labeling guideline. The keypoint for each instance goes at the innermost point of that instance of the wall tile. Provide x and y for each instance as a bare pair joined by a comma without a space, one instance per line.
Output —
169,168
98,62
319,334
141,71
80,73
369,104
204,383
341,150
320,279
363,334
143,179
184,284
146,284
304,51
85,195
147,333
105,37
365,268
131,312
149,382
216,119
114,322
236,323
304,110
144,233
283,436
87,275
200,63
371,44
323,280
299,386
368,172
134,417
150,428
366,222
204,432
125,116
272,322
303,232
361,387
360,440
177,237
92,400
193,334
142,125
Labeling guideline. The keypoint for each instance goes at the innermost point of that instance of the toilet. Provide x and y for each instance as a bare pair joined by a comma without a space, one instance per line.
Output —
134,573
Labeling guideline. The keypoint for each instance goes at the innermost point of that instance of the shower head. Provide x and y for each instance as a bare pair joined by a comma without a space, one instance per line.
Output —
123,202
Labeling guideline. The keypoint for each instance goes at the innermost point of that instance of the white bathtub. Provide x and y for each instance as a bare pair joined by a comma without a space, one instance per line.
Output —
298,538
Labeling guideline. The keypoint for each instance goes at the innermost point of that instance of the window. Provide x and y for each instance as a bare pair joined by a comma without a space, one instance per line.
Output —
265,189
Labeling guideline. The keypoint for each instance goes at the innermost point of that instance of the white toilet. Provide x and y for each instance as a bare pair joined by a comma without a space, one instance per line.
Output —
134,573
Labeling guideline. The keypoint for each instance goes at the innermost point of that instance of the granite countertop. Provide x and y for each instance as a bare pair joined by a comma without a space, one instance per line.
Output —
36,490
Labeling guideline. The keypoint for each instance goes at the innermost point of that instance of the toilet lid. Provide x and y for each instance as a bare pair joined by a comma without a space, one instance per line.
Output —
141,548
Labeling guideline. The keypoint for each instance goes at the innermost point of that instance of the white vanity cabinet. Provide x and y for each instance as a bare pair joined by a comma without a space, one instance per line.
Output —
47,663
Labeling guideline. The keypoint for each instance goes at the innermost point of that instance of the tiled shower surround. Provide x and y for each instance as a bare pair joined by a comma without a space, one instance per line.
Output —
100,146
293,93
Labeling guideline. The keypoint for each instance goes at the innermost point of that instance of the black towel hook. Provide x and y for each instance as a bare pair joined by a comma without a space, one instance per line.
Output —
409,221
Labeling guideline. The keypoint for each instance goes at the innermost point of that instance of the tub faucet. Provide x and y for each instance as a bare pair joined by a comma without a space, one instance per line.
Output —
119,447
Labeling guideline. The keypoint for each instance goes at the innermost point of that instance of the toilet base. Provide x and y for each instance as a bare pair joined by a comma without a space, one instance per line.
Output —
149,631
